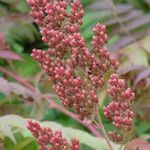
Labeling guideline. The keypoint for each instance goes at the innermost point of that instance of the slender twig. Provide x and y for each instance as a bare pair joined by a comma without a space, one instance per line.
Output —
121,145
100,124
120,148
52,103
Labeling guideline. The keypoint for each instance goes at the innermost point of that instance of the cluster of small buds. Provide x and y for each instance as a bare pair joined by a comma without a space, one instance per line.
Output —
119,109
100,38
76,13
115,136
3,43
49,140
75,145
76,72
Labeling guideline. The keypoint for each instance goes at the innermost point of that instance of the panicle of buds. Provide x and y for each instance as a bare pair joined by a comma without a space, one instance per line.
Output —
76,72
49,140
3,43
119,109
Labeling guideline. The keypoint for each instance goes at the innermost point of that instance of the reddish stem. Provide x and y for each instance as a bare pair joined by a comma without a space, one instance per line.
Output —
17,78
101,126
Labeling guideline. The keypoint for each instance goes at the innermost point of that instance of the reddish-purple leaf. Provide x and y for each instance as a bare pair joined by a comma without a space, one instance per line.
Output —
123,8
11,87
126,40
131,68
137,144
136,23
102,5
9,55
143,75
122,42
4,88
124,18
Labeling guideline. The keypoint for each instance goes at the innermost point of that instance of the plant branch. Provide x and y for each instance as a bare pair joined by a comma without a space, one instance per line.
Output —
100,124
52,103
17,78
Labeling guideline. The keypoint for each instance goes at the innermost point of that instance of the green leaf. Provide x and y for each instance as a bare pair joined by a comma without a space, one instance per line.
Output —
146,44
8,1
3,10
22,6
22,35
83,2
69,133
135,56
21,143
139,58
17,47
6,122
24,143
28,67
142,127
5,128
85,147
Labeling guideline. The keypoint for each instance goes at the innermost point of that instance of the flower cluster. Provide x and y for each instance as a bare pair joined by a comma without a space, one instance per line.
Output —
76,72
119,109
3,43
49,140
